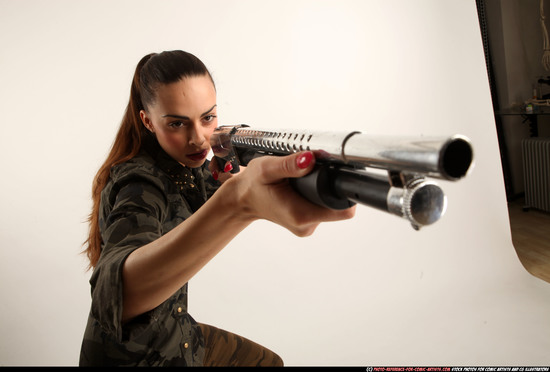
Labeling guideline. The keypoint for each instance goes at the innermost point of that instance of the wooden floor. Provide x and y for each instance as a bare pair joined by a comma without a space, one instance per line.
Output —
531,238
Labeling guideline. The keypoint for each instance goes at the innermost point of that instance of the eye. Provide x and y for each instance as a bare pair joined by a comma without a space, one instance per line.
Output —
209,118
176,124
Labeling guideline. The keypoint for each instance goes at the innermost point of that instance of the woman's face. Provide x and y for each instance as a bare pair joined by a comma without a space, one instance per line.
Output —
183,118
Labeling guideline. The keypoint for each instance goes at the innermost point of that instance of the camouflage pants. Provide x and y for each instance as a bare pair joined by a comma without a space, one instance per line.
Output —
228,349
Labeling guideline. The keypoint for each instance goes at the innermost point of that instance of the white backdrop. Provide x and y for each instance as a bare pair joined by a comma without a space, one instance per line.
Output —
362,292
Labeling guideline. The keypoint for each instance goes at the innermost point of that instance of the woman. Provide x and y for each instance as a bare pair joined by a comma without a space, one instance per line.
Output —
159,215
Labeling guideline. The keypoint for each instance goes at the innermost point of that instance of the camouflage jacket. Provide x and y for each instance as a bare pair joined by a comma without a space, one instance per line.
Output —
145,198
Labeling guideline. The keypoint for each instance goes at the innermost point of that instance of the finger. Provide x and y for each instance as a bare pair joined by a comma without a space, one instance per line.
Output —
300,212
273,169
214,168
304,221
305,212
228,167
224,176
213,165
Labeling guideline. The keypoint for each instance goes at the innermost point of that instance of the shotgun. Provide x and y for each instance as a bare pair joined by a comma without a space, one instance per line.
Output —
398,167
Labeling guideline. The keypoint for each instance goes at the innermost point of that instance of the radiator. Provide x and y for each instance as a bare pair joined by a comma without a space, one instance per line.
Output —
536,172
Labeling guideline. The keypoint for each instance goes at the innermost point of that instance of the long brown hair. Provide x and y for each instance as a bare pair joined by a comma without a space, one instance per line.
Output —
153,70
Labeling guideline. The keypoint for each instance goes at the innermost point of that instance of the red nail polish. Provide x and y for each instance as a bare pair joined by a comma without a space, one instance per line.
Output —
304,160
215,175
228,167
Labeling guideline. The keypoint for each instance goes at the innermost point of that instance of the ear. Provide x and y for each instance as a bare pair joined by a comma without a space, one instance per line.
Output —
146,121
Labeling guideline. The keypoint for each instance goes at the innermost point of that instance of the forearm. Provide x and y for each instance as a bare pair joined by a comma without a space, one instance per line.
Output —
152,273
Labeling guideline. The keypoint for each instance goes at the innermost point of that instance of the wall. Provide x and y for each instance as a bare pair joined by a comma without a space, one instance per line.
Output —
362,292
516,45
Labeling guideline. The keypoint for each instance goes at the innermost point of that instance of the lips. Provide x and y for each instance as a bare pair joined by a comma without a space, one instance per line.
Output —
198,155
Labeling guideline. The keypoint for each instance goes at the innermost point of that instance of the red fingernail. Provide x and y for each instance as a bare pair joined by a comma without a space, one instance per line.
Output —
215,175
228,167
304,160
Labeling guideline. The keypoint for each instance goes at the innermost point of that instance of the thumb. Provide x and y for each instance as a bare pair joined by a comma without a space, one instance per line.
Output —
290,166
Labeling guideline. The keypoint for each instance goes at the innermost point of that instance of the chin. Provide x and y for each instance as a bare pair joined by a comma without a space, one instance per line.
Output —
192,163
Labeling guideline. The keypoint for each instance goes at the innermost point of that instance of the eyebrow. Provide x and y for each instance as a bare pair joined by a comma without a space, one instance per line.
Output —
187,118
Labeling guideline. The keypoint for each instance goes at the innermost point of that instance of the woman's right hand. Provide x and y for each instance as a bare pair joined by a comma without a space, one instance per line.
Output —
263,192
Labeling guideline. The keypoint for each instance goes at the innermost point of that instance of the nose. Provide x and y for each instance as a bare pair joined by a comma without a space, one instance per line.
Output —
196,135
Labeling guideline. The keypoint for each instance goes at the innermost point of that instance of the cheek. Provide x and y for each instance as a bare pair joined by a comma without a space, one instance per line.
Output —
209,131
171,139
